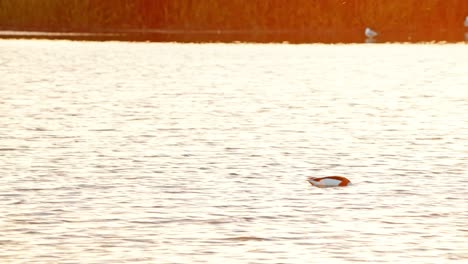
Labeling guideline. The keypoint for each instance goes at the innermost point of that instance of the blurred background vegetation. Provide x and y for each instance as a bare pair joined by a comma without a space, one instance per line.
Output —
251,15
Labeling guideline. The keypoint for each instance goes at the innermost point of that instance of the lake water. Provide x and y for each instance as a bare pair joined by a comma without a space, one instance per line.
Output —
119,152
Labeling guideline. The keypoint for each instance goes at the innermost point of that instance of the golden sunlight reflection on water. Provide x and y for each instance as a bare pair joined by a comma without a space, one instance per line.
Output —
121,152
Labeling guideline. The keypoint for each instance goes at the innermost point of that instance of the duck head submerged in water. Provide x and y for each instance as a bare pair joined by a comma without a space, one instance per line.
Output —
329,181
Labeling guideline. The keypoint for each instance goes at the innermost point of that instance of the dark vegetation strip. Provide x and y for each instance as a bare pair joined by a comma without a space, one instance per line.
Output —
281,16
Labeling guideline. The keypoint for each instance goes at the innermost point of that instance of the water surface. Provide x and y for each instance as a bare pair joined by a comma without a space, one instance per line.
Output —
121,152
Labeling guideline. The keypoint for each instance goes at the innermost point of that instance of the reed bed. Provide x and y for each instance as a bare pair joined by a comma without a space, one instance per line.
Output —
251,15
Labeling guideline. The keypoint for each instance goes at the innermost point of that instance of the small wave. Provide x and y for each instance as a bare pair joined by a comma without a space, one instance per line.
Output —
103,129
38,129
7,149
246,238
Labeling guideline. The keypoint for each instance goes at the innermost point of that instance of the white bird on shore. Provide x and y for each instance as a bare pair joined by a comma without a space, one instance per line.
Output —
466,21
370,33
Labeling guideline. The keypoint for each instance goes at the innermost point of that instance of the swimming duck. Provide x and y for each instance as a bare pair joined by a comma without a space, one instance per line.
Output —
329,181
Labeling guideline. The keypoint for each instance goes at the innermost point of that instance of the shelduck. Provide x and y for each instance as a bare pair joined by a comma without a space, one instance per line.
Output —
329,181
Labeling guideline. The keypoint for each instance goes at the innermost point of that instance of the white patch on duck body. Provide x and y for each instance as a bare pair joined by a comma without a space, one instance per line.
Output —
329,182
326,183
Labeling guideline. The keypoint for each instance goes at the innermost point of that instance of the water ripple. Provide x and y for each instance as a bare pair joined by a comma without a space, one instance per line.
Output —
167,153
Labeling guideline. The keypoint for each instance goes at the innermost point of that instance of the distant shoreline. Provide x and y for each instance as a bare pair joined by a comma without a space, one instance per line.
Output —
252,36
257,21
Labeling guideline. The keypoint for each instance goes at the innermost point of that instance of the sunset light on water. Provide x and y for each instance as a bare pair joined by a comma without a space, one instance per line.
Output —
167,152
